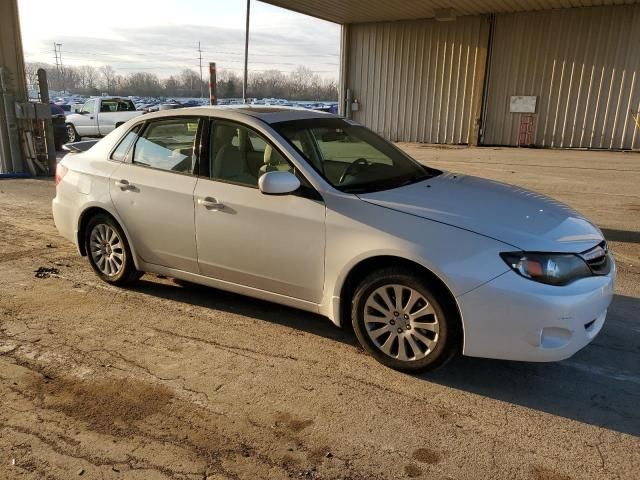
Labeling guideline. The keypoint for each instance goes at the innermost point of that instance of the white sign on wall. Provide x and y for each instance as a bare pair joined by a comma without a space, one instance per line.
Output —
523,104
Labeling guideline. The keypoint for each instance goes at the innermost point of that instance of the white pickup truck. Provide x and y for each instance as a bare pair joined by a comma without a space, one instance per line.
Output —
99,116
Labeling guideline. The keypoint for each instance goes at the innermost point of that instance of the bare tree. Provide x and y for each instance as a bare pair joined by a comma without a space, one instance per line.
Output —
108,75
88,76
302,84
190,81
143,83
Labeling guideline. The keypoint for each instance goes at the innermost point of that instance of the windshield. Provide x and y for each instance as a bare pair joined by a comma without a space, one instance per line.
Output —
350,157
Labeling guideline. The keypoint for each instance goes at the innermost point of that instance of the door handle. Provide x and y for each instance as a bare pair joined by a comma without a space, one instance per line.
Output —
124,185
210,203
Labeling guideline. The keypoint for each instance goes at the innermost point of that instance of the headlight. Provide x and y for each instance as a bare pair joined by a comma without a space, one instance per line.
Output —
549,268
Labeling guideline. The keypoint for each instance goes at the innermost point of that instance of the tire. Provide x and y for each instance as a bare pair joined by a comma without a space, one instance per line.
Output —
420,333
72,134
108,251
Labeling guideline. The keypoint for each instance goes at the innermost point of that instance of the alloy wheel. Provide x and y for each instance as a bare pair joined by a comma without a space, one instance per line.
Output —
401,322
107,250
71,133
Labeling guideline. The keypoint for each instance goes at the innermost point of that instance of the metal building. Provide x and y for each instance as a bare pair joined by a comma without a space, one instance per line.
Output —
550,73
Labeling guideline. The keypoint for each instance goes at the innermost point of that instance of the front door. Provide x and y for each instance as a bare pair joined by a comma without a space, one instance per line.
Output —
267,242
152,191
87,122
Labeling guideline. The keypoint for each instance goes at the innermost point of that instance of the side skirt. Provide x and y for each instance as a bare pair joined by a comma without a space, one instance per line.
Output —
230,287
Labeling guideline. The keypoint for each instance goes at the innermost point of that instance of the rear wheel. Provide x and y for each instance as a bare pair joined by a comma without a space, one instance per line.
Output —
403,321
72,134
108,251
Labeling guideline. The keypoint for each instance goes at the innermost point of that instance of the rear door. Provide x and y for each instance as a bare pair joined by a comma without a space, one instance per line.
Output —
152,191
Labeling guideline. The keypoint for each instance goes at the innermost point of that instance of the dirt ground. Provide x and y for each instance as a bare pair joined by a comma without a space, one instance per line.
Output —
177,381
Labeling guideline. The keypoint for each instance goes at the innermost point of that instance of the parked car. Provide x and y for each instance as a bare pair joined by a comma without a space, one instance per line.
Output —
317,212
99,116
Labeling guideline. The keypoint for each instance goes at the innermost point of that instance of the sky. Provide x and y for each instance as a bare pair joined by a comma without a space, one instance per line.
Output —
162,36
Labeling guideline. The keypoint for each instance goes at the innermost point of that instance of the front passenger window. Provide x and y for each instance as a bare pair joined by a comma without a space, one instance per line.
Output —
89,107
240,155
167,145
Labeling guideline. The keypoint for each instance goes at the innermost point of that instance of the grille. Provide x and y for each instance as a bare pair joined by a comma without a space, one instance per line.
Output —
598,259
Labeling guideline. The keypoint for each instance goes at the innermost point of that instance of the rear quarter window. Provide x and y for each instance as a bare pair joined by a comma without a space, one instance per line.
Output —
121,153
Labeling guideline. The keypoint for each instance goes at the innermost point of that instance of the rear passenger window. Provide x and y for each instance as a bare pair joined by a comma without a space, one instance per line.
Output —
120,154
167,145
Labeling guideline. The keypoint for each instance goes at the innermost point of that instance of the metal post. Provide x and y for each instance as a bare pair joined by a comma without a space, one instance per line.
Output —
6,165
481,129
213,98
246,55
343,82
43,86
201,82
9,108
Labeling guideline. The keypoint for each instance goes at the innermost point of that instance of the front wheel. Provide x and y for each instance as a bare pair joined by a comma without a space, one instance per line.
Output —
108,251
72,134
403,321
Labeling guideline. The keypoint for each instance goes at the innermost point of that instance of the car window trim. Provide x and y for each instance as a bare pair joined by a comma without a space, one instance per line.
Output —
145,127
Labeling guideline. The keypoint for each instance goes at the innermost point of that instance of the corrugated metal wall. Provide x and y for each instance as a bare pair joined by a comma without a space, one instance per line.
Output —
419,80
583,64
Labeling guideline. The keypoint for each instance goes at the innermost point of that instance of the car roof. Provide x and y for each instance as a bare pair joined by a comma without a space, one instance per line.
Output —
268,114
108,97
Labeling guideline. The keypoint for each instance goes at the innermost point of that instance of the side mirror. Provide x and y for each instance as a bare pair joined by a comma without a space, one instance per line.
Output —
278,183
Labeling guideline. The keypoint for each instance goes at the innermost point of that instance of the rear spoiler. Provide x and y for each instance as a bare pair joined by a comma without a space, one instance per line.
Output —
79,147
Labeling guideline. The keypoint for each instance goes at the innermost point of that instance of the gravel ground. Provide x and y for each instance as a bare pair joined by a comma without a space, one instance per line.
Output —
171,380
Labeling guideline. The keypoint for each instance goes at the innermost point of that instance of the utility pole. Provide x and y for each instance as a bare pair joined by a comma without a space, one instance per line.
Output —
201,81
246,55
57,48
55,52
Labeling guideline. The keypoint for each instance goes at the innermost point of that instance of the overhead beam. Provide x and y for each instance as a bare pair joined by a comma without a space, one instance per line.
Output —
361,11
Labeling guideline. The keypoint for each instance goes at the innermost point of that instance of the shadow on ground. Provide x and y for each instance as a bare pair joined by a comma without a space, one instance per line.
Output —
600,385
198,295
626,236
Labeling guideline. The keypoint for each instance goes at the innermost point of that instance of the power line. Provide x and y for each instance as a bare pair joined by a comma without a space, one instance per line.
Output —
215,52
78,56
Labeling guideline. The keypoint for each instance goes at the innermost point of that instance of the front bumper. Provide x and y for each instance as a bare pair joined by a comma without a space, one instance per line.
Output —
513,318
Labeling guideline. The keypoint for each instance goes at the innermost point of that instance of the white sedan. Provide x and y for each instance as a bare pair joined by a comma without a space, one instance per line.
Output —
319,213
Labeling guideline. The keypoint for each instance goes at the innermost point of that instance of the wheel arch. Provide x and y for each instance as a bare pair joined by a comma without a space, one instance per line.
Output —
83,221
365,266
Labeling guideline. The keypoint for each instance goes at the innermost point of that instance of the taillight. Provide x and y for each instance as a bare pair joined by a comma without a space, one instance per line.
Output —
61,171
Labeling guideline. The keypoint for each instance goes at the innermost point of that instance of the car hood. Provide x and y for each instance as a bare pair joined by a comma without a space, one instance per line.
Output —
527,220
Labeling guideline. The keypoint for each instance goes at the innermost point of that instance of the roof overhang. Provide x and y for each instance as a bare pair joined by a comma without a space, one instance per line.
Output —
358,11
